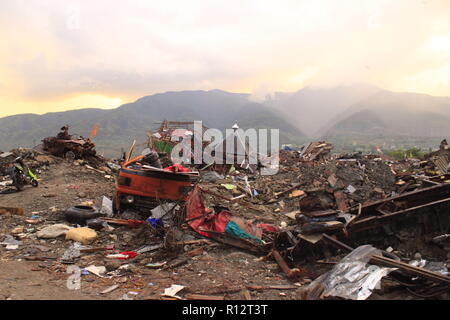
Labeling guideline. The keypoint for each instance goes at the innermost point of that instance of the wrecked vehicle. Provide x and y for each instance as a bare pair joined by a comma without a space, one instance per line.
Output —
143,186
68,146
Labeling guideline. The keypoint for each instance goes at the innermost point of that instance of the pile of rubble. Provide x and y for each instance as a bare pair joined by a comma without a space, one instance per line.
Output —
355,198
337,226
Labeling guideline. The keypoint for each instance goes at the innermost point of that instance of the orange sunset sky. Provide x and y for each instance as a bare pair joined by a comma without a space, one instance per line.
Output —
61,55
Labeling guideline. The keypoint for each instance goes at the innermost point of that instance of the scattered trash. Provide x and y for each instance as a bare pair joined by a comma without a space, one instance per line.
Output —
110,289
53,231
163,217
72,254
98,271
228,186
10,242
156,265
173,290
123,255
160,211
107,207
352,278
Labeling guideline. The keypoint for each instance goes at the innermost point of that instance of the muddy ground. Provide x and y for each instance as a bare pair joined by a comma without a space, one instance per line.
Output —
219,270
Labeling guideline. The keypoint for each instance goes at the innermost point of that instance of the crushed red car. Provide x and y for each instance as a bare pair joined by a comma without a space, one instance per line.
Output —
142,187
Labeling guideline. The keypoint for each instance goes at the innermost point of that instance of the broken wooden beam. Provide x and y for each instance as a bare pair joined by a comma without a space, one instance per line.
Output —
272,287
290,273
279,194
409,269
203,297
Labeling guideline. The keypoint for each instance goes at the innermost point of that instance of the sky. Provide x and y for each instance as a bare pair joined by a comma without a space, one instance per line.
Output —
63,55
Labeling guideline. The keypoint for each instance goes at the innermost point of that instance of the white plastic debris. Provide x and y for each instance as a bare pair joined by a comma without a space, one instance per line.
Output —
98,271
10,242
418,263
110,289
71,253
117,256
162,210
351,189
148,248
6,183
353,278
53,231
173,290
439,267
107,207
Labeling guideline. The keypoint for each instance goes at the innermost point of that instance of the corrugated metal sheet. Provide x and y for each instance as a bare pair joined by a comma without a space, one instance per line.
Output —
441,163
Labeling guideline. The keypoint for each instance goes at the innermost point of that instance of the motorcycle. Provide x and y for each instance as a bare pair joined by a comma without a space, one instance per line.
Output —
21,175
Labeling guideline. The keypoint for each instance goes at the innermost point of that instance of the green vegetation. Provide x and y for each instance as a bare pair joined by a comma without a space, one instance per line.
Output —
400,154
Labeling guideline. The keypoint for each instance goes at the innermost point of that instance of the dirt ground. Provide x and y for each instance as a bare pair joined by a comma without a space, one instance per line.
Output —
219,270
34,270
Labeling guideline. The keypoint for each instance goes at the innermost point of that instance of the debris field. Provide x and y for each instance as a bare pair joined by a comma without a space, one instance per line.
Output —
326,226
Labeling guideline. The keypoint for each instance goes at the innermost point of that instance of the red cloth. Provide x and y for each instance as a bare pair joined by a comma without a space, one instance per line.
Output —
177,166
217,222
130,254
268,227
196,209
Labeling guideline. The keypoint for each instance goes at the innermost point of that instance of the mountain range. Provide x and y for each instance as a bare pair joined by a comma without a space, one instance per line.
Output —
119,127
349,116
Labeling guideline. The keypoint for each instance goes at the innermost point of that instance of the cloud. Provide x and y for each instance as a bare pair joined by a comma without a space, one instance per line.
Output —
52,49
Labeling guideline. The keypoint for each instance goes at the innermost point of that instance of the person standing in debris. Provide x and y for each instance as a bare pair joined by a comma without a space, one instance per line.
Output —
64,134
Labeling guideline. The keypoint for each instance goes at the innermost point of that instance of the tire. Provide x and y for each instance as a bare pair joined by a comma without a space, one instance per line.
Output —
80,214
70,156
35,183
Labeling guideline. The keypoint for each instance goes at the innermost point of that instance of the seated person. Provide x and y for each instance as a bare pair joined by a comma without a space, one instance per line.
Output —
64,134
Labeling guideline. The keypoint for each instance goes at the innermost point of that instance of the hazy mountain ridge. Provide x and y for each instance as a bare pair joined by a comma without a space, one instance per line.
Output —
364,116
120,126
408,114
347,115
312,108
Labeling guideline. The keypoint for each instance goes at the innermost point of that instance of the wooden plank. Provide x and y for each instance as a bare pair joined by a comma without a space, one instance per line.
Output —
12,211
203,297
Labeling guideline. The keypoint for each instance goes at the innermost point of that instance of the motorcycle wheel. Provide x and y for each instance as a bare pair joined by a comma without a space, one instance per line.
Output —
34,183
70,156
